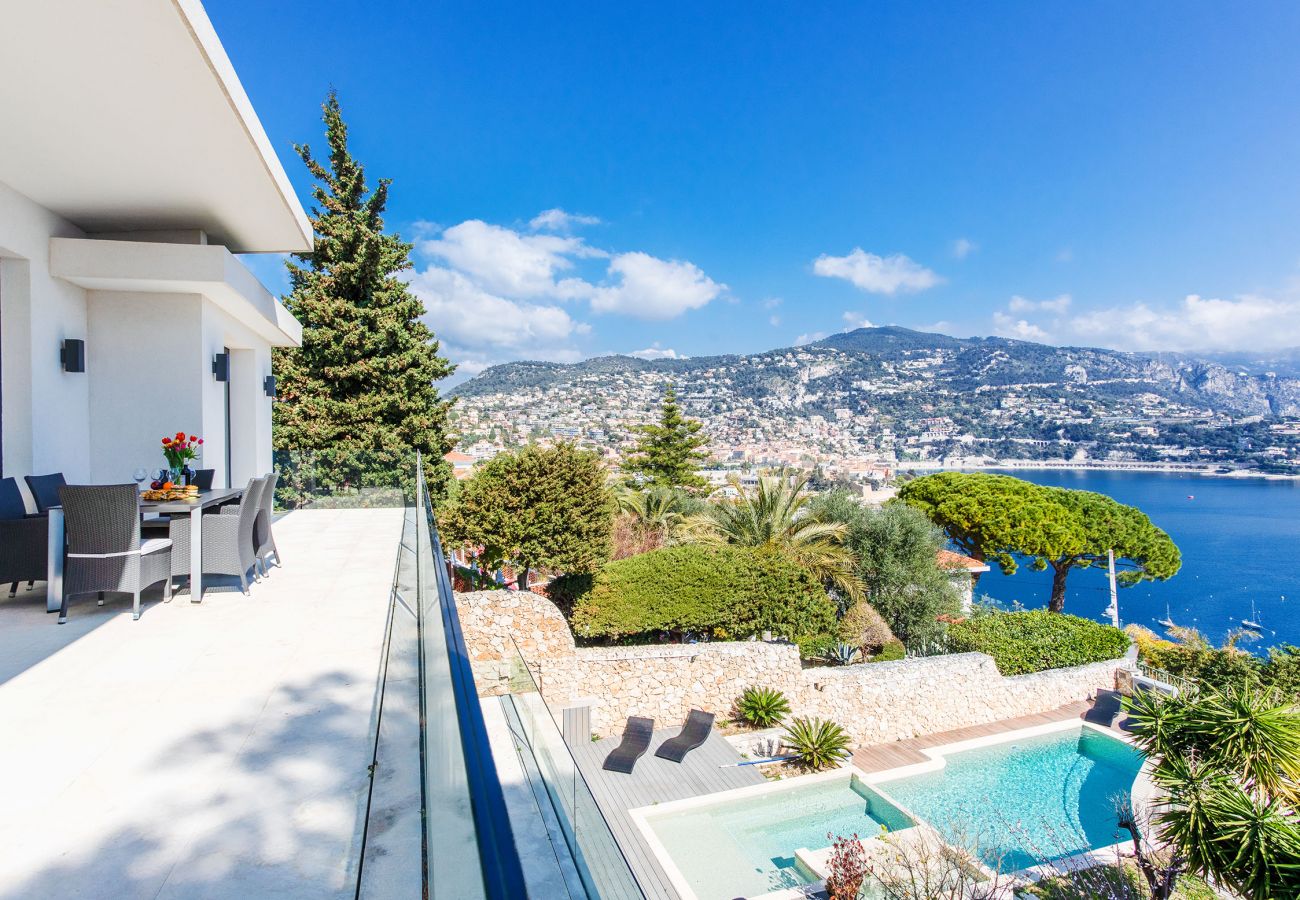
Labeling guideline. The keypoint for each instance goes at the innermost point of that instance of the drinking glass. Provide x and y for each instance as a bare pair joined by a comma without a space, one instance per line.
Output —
140,475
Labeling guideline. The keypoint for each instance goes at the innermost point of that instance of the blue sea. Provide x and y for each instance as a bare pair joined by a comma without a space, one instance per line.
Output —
1239,538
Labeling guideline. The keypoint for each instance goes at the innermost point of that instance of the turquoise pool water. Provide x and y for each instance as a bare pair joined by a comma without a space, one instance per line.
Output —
745,847
1026,801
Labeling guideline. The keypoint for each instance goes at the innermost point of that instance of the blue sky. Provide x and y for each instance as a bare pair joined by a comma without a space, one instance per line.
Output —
1111,174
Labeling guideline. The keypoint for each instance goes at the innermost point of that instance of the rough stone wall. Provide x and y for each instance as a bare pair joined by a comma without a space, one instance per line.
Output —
491,619
890,701
874,702
665,682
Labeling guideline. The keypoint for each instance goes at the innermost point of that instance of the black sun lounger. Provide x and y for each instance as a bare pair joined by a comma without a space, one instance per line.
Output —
695,732
636,741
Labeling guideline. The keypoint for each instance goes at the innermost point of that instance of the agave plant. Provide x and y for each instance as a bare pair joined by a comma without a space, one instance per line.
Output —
843,654
817,743
762,706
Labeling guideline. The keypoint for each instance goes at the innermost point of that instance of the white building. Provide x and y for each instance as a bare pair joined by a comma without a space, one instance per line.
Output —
132,167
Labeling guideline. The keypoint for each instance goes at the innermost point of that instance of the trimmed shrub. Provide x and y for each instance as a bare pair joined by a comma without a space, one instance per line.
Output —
893,650
567,590
762,707
728,592
862,626
818,743
816,646
1034,640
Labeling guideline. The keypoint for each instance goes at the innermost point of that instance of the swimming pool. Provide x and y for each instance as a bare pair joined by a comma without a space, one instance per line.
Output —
1026,800
746,846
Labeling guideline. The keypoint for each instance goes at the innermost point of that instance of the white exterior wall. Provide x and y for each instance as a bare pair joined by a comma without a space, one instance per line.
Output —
148,368
45,410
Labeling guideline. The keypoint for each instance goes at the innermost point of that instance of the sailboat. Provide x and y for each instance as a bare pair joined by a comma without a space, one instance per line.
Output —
1253,622
1168,620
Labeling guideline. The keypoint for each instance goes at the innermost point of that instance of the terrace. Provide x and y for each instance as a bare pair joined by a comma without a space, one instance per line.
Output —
210,749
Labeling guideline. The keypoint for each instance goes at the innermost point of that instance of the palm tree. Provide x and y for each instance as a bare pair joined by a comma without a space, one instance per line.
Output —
658,509
1228,764
774,515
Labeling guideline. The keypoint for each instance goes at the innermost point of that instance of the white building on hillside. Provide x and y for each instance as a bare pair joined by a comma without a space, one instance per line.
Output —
132,167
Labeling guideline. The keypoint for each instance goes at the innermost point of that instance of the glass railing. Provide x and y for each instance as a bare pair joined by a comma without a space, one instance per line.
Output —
345,479
595,852
469,848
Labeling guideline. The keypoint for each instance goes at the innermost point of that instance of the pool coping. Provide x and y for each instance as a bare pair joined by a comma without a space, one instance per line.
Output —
1142,789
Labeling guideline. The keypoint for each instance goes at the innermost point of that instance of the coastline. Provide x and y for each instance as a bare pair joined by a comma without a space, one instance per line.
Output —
1013,465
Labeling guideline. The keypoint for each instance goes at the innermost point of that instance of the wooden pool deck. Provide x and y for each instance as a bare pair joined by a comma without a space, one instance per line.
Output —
656,780
879,757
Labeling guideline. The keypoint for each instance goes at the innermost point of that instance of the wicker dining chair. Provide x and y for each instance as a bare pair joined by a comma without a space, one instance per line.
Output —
45,490
263,537
229,546
105,553
203,478
24,539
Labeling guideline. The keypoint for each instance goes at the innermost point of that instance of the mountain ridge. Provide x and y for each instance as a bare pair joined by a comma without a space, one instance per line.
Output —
1239,384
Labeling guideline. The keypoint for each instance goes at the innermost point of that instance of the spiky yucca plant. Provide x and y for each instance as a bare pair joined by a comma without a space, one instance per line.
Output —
818,743
1228,763
762,706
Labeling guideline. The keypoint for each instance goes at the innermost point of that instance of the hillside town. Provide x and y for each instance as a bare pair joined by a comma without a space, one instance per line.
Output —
821,408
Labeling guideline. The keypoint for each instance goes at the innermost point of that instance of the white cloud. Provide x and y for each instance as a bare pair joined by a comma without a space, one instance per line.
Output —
772,302
774,321
1009,326
653,288
1246,322
963,247
468,316
1058,304
809,338
1064,255
559,220
877,274
507,262
654,351
854,320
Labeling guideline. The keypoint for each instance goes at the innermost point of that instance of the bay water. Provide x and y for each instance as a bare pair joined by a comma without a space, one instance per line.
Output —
1239,537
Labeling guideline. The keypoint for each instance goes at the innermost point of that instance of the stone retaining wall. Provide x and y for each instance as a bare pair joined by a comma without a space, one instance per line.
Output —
874,702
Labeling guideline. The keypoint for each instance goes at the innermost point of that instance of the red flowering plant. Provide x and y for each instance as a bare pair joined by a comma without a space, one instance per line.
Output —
180,449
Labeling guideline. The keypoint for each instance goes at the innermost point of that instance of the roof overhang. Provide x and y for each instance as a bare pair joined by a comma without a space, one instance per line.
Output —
204,269
128,116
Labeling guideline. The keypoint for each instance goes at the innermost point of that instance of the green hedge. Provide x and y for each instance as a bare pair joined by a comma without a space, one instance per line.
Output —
1034,640
728,592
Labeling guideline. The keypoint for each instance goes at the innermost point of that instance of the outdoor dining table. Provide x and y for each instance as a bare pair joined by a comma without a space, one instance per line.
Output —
206,500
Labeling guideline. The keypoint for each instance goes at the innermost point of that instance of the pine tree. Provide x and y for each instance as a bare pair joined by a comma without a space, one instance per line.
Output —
669,453
358,397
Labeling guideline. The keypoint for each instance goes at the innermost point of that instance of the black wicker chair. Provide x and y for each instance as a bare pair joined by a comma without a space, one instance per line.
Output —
24,539
694,733
635,742
203,478
45,490
105,553
229,546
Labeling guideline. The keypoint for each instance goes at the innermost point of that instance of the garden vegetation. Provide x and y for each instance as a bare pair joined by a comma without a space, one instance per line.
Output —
718,591
1033,640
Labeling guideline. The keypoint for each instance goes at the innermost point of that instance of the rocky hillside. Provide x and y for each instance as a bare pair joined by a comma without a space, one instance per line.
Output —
913,371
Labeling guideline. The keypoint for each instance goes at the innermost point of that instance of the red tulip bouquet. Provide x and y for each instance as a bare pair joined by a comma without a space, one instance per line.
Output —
180,450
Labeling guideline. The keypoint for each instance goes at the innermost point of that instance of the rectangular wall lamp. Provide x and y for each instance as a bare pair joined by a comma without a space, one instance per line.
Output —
268,386
221,367
73,355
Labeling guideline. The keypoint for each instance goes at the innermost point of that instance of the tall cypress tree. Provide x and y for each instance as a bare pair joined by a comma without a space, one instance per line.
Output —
668,454
358,396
